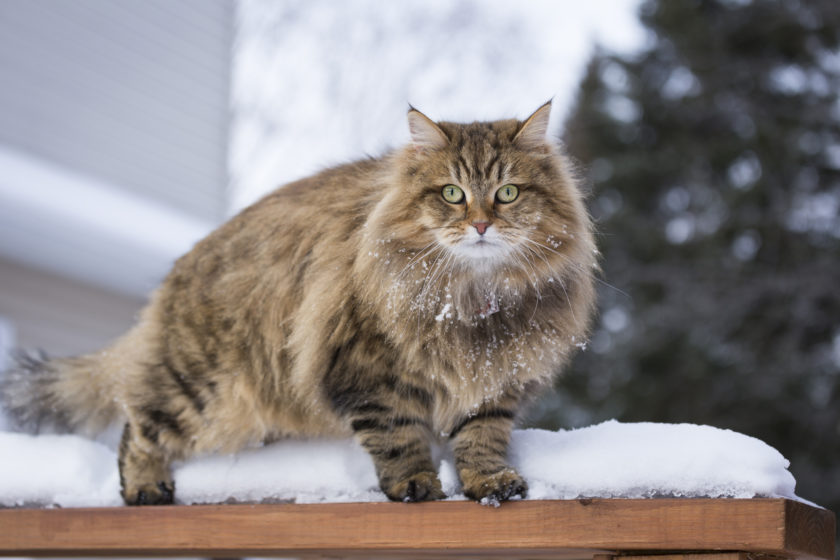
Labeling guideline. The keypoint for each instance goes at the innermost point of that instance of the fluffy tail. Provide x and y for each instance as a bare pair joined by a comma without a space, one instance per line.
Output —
64,394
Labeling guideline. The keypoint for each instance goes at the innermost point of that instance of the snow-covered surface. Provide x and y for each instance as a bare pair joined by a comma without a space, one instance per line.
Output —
607,460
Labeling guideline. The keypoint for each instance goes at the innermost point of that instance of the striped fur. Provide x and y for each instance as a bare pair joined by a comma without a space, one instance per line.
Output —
352,303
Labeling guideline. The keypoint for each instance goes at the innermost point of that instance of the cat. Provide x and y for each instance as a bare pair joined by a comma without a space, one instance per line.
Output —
421,296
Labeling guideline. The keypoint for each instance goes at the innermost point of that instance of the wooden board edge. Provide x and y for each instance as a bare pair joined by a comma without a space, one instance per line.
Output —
775,526
811,531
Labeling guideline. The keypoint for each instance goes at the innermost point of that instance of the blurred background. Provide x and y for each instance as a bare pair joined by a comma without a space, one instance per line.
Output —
706,132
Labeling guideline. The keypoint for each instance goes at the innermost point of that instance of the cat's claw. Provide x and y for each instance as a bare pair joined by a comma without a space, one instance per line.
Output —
420,487
495,488
162,494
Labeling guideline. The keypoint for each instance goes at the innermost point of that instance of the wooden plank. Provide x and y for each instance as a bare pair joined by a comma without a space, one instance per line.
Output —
687,556
553,528
811,528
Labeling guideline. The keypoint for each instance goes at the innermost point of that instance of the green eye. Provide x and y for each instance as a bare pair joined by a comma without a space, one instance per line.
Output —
508,193
452,194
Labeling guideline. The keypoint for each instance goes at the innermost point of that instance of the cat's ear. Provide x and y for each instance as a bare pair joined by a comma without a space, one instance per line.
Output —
532,133
424,132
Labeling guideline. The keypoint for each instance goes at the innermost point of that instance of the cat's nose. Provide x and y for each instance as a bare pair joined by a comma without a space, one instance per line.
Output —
481,227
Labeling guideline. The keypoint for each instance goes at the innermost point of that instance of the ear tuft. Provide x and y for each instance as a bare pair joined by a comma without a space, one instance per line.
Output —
424,132
532,133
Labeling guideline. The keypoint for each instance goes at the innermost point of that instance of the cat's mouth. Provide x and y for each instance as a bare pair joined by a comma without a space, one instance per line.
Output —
481,249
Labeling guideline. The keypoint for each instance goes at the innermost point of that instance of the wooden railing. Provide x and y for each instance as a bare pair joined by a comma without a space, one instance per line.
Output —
681,529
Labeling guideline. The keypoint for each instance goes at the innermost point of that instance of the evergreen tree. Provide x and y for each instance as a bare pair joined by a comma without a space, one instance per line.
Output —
714,162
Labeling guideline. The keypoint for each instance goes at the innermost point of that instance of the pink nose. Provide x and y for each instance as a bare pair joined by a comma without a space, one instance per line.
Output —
481,227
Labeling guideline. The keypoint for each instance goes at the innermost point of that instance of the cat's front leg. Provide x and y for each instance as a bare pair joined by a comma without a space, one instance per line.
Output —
480,444
391,419
399,446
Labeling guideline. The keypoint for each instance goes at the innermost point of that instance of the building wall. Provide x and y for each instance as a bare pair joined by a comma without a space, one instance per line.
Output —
63,317
113,158
133,93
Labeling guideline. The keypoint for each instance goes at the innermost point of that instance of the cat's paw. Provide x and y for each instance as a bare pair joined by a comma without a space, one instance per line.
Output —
160,493
493,488
420,487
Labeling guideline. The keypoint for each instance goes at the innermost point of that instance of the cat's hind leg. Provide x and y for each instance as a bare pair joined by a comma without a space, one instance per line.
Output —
165,410
145,477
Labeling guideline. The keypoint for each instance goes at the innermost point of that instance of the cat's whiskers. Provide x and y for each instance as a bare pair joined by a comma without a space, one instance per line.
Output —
568,300
594,277
445,272
533,277
540,254
397,288
571,263
421,298
539,250
418,257
559,280
433,270
567,260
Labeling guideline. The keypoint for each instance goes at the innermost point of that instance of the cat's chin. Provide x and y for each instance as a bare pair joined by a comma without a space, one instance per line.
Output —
481,254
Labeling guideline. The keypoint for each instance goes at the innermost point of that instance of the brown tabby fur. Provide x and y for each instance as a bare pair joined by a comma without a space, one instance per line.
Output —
338,305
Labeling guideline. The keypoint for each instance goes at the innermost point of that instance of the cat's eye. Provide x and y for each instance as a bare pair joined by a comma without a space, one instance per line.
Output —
507,193
452,194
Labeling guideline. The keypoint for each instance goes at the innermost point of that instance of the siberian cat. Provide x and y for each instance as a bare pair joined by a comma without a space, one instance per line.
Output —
423,294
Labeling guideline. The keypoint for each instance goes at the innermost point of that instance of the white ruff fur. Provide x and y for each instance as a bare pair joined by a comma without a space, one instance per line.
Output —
482,250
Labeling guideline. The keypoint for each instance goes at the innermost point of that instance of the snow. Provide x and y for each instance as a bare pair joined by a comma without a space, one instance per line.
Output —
51,469
444,313
615,460
612,459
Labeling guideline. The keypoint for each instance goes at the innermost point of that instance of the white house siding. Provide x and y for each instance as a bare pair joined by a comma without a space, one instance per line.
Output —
113,158
132,92
60,316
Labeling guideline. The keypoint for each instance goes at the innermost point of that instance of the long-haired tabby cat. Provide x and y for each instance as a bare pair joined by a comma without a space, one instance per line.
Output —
421,295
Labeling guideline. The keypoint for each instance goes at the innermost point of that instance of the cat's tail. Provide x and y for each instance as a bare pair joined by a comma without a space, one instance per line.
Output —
64,394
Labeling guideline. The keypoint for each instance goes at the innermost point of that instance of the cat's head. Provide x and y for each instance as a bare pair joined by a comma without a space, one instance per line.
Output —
487,193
